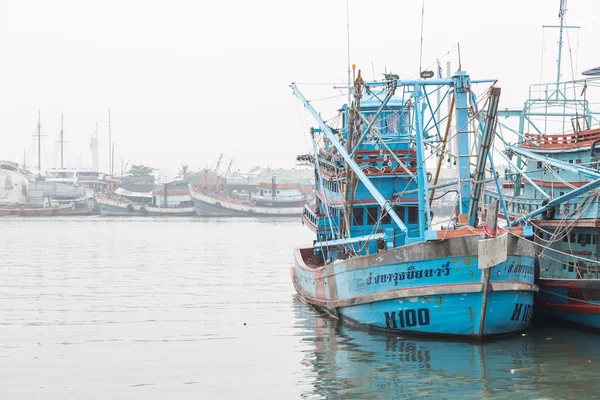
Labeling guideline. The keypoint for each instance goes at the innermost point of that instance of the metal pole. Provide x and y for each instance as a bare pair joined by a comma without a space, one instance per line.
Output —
39,137
110,147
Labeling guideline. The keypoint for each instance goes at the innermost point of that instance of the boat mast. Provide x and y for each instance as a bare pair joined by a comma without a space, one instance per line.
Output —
110,146
62,142
561,15
39,140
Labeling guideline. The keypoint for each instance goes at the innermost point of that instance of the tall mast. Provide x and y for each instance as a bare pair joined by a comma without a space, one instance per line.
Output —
348,49
62,141
39,139
110,148
561,15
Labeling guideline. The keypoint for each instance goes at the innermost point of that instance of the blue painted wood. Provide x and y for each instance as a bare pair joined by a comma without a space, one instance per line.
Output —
410,278
435,313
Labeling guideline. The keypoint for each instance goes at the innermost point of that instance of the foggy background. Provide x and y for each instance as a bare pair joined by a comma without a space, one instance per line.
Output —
187,80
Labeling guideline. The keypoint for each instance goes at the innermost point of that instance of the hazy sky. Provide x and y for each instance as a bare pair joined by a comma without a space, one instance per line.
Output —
187,80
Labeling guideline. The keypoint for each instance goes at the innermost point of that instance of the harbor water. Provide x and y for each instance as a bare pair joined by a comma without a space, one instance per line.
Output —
192,308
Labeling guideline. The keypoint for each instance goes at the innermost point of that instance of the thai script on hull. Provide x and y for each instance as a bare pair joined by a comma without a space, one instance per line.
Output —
410,274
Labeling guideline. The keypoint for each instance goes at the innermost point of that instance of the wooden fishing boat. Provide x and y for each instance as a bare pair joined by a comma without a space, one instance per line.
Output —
27,210
376,260
560,178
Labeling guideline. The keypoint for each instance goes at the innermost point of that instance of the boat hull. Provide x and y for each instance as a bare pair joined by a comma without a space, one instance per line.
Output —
115,208
419,288
171,211
207,205
569,300
60,211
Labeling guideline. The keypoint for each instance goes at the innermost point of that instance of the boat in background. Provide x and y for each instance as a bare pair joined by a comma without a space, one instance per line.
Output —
215,197
548,169
172,200
19,196
376,261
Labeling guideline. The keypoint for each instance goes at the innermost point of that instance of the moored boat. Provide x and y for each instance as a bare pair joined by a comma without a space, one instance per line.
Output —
376,260
172,200
29,210
272,199
558,173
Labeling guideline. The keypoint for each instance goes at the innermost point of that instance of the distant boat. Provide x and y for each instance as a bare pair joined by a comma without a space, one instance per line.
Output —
174,202
272,199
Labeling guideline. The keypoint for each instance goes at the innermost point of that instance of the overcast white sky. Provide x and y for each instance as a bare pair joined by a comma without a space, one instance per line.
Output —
187,80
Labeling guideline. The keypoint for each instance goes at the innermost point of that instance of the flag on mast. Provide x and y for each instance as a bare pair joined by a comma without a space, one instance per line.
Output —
439,69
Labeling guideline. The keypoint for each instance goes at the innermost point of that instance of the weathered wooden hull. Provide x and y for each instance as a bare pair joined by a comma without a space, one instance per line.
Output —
207,205
115,208
425,288
28,211
171,211
575,301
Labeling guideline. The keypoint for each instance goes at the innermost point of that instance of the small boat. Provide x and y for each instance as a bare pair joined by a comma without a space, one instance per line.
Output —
172,200
377,261
29,210
272,199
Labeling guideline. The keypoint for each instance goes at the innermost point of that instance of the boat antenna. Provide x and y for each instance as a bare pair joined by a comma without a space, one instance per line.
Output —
348,47
373,69
39,140
561,15
421,48
110,171
62,141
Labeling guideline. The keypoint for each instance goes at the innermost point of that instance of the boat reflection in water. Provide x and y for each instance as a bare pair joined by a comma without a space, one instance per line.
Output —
345,362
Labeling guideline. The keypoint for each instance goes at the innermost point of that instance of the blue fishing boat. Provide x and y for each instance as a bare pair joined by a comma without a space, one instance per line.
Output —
554,169
378,260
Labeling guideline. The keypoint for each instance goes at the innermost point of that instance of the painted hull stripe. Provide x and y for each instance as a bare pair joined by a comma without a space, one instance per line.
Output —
434,290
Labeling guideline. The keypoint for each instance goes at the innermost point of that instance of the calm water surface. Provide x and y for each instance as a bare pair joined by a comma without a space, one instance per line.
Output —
99,308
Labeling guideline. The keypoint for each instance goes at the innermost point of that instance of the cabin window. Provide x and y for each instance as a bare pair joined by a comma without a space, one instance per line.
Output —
572,237
376,128
392,123
564,266
570,161
278,192
372,215
594,239
400,211
578,161
584,238
413,215
386,218
566,238
571,266
539,164
358,215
